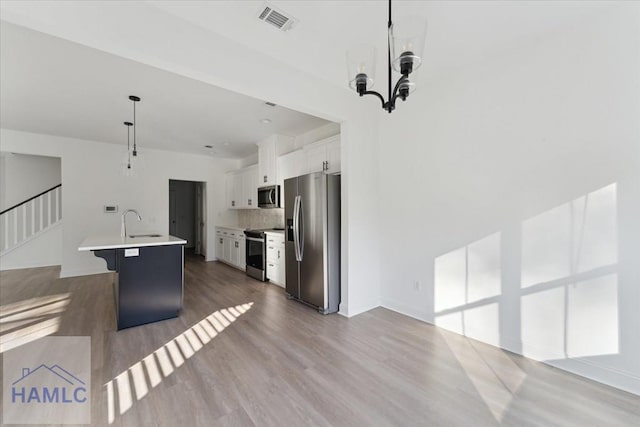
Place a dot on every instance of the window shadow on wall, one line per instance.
(561, 304)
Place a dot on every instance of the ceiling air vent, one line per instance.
(276, 17)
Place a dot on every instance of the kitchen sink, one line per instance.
(145, 235)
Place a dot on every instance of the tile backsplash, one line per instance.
(261, 218)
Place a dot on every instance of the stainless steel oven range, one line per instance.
(256, 247)
(256, 253)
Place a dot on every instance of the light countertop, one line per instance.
(94, 243)
(232, 227)
(277, 232)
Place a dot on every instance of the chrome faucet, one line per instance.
(123, 227)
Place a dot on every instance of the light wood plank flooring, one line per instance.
(241, 354)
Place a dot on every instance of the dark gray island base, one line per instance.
(148, 287)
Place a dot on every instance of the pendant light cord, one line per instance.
(128, 149)
(135, 125)
(389, 25)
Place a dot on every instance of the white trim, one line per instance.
(75, 272)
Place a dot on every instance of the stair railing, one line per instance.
(29, 218)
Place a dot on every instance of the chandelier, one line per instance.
(404, 48)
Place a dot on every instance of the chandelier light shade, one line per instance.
(404, 46)
(406, 37)
(361, 63)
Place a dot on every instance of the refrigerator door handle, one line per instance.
(301, 229)
(296, 229)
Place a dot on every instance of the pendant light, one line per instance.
(128, 125)
(134, 99)
(405, 43)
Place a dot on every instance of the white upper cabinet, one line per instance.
(250, 187)
(266, 164)
(234, 189)
(276, 163)
(315, 156)
(268, 152)
(242, 188)
(323, 156)
(290, 166)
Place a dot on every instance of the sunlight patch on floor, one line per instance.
(169, 357)
(28, 320)
(495, 376)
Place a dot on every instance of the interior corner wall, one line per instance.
(93, 175)
(25, 176)
(511, 198)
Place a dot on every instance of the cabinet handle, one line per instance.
(221, 240)
(271, 265)
(265, 178)
(278, 253)
(249, 202)
(233, 203)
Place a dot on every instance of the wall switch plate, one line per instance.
(110, 208)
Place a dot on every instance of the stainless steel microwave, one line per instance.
(269, 197)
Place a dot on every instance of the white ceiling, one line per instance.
(53, 86)
(458, 32)
(83, 92)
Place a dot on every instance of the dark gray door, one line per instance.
(172, 211)
(291, 280)
(312, 189)
(199, 216)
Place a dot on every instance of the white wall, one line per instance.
(41, 251)
(24, 176)
(515, 207)
(92, 176)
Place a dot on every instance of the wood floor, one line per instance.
(241, 354)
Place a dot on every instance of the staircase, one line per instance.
(27, 220)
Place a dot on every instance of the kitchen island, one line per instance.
(148, 285)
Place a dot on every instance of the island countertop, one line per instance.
(95, 243)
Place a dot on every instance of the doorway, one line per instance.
(187, 213)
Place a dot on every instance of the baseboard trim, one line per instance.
(23, 267)
(616, 378)
(406, 310)
(81, 272)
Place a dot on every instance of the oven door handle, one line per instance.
(253, 239)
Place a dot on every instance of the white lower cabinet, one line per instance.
(276, 266)
(230, 247)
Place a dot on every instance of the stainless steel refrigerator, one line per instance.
(312, 244)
